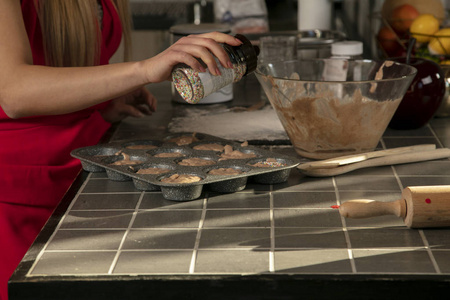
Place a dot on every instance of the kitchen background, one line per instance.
(109, 240)
(153, 18)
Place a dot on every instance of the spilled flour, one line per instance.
(260, 124)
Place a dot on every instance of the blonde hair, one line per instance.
(71, 31)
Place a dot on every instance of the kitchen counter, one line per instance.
(108, 240)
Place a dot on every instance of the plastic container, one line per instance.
(193, 86)
(347, 50)
(338, 68)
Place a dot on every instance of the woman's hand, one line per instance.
(187, 50)
(138, 103)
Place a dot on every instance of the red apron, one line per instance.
(36, 168)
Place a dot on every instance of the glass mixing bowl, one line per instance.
(331, 107)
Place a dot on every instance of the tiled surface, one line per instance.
(289, 228)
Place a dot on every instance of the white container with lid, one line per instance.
(177, 32)
(337, 67)
(347, 50)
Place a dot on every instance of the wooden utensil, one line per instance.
(345, 164)
(350, 159)
(420, 207)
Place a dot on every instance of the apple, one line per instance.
(402, 17)
(423, 97)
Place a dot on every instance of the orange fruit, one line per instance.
(402, 17)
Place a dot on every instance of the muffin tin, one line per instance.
(101, 158)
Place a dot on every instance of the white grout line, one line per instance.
(393, 249)
(197, 238)
(344, 229)
(422, 235)
(272, 233)
(430, 253)
(38, 257)
(383, 145)
(397, 178)
(435, 136)
(130, 225)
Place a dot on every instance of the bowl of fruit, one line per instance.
(399, 20)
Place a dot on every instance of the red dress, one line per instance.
(36, 168)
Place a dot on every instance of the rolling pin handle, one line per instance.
(364, 208)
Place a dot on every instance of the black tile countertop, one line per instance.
(108, 240)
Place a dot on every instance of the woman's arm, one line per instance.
(27, 90)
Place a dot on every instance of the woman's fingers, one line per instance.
(213, 38)
(203, 48)
(190, 50)
(138, 103)
(207, 48)
(222, 38)
(145, 101)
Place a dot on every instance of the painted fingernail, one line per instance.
(218, 72)
(230, 65)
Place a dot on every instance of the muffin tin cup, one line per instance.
(182, 193)
(101, 157)
(229, 185)
(273, 177)
(116, 176)
(142, 145)
(95, 154)
(145, 186)
(87, 166)
(119, 173)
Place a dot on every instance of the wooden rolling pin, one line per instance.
(420, 207)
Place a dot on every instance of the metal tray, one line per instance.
(100, 158)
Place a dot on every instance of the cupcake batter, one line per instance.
(184, 140)
(229, 153)
(269, 163)
(225, 171)
(126, 161)
(210, 147)
(142, 147)
(153, 171)
(181, 178)
(195, 161)
(169, 154)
